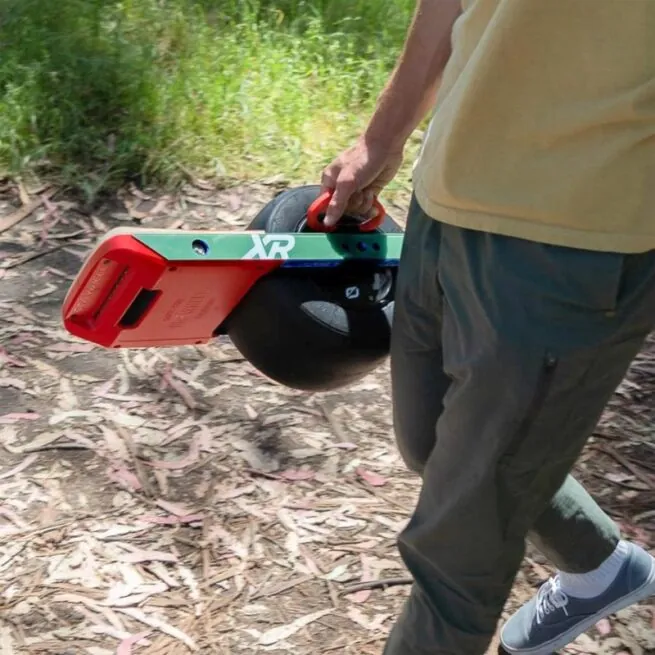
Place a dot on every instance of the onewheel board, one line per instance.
(145, 288)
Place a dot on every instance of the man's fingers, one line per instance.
(355, 203)
(367, 210)
(329, 178)
(358, 204)
(343, 192)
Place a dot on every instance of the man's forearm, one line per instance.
(411, 90)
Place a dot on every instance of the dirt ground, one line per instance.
(174, 500)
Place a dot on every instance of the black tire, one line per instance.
(296, 325)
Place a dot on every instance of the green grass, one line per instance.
(98, 91)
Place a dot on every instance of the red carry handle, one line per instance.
(320, 205)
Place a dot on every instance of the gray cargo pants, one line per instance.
(504, 354)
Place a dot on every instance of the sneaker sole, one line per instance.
(639, 594)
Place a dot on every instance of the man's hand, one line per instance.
(357, 176)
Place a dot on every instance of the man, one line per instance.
(526, 288)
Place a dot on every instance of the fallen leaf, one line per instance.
(6, 641)
(60, 417)
(363, 595)
(238, 548)
(140, 595)
(67, 398)
(46, 439)
(14, 417)
(77, 438)
(126, 420)
(10, 359)
(285, 631)
(6, 559)
(161, 477)
(71, 347)
(125, 647)
(105, 387)
(23, 194)
(45, 291)
(604, 628)
(294, 475)
(28, 461)
(371, 478)
(190, 458)
(358, 617)
(160, 624)
(13, 517)
(115, 444)
(13, 382)
(180, 388)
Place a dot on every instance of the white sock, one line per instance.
(594, 583)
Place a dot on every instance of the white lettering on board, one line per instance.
(271, 246)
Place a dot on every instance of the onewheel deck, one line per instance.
(145, 288)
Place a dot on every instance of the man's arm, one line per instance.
(361, 172)
(411, 90)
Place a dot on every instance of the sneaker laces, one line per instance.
(551, 598)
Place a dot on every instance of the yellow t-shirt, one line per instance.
(545, 124)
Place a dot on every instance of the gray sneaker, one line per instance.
(551, 620)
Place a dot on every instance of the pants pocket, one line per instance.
(564, 279)
(569, 399)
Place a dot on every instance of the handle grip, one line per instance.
(320, 205)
